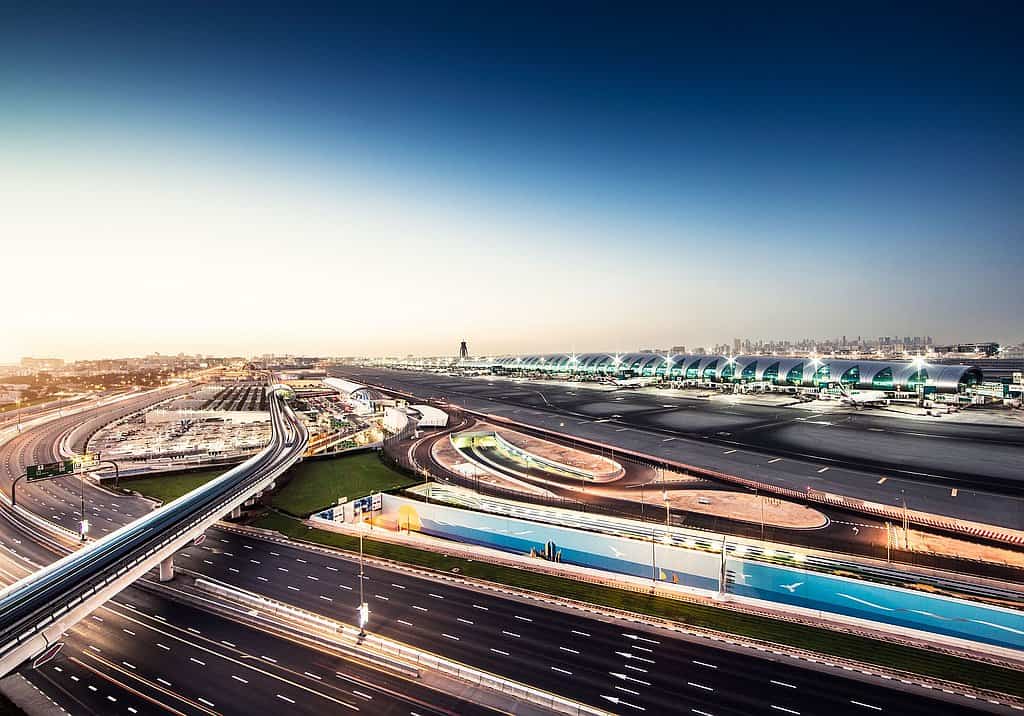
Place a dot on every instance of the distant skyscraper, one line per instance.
(463, 351)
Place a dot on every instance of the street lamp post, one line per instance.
(664, 496)
(84, 522)
(364, 611)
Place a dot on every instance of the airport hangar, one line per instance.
(897, 376)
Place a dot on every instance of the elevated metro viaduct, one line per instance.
(36, 611)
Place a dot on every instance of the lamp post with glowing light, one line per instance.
(364, 608)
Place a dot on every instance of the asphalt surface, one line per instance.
(862, 454)
(566, 652)
(621, 668)
(120, 659)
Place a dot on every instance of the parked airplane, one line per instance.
(631, 382)
(860, 398)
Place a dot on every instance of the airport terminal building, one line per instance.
(895, 376)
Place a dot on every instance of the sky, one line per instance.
(328, 180)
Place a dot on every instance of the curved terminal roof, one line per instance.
(809, 372)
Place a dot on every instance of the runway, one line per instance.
(878, 458)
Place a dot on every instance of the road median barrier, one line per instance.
(396, 655)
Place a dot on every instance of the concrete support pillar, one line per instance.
(236, 513)
(167, 569)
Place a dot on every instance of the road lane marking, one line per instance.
(881, 480)
(824, 469)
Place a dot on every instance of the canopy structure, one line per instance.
(806, 372)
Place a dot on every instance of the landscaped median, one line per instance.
(823, 641)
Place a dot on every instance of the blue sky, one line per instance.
(535, 179)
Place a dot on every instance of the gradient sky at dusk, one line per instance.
(235, 179)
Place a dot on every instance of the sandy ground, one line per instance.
(600, 467)
(941, 544)
(734, 505)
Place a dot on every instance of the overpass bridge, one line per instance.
(36, 611)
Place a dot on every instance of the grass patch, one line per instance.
(847, 646)
(172, 485)
(317, 484)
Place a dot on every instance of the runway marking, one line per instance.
(881, 480)
(824, 469)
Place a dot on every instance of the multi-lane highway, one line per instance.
(108, 666)
(960, 470)
(564, 651)
(621, 667)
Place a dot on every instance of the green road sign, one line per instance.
(49, 469)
